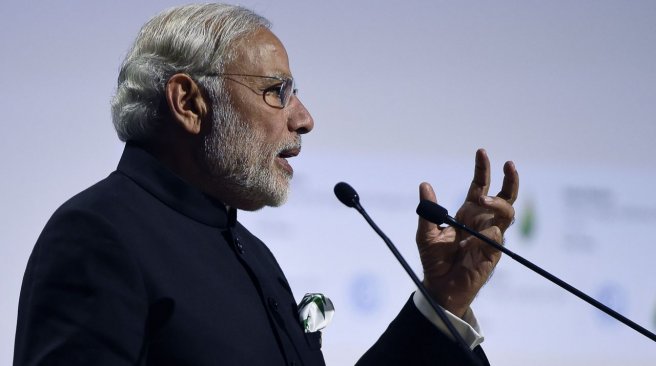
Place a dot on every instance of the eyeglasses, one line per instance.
(276, 96)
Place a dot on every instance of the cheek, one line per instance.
(270, 132)
(267, 124)
(267, 141)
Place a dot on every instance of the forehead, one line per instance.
(260, 53)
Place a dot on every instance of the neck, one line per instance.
(183, 156)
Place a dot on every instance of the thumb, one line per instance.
(426, 192)
(492, 232)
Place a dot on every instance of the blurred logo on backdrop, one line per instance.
(615, 297)
(527, 220)
(585, 208)
(365, 293)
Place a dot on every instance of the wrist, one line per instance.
(455, 308)
(448, 302)
(467, 325)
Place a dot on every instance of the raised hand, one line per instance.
(456, 265)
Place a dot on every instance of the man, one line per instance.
(150, 265)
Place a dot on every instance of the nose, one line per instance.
(300, 119)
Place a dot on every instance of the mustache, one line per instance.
(294, 144)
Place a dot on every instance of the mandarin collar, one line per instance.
(151, 175)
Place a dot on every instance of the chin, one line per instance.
(278, 199)
(255, 205)
(272, 197)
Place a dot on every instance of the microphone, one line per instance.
(433, 212)
(349, 197)
(437, 214)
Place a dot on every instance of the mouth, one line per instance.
(289, 153)
(286, 154)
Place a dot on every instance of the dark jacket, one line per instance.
(144, 269)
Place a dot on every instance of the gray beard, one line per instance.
(236, 157)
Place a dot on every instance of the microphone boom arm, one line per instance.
(349, 197)
(435, 213)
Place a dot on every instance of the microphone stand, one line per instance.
(347, 195)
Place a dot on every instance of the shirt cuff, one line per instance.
(467, 326)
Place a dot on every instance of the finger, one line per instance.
(481, 182)
(502, 209)
(426, 192)
(492, 232)
(510, 187)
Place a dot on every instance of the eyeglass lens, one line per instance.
(279, 95)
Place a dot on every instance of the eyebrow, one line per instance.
(271, 81)
(275, 78)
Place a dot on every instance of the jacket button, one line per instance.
(273, 304)
(239, 245)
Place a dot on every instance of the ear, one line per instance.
(186, 102)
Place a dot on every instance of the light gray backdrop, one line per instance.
(401, 91)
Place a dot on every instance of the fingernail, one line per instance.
(487, 199)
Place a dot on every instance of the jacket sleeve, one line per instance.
(412, 340)
(82, 301)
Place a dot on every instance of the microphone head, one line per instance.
(346, 194)
(432, 212)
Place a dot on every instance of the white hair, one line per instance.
(194, 39)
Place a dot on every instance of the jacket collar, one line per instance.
(149, 173)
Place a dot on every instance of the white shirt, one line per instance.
(467, 326)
